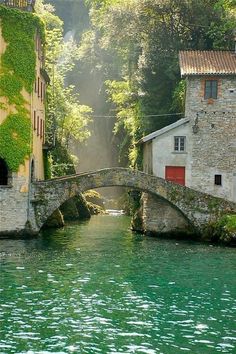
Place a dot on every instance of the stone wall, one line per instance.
(14, 206)
(47, 196)
(198, 208)
(164, 155)
(213, 145)
(160, 217)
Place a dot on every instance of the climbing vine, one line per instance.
(17, 72)
(15, 136)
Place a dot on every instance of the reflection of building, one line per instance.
(22, 109)
(199, 151)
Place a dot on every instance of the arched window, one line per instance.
(3, 173)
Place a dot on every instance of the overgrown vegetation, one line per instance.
(132, 47)
(17, 73)
(222, 230)
(67, 119)
(128, 62)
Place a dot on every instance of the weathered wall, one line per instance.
(160, 217)
(213, 146)
(164, 155)
(198, 208)
(14, 206)
(38, 113)
(148, 157)
(47, 196)
(35, 104)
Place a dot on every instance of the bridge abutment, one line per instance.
(161, 218)
(14, 206)
(170, 206)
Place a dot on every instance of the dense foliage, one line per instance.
(67, 119)
(17, 73)
(132, 48)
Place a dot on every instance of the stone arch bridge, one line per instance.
(198, 208)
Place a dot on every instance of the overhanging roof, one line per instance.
(164, 130)
(207, 62)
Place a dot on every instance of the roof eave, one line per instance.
(162, 131)
(183, 75)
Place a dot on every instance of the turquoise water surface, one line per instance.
(96, 287)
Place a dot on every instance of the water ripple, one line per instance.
(98, 288)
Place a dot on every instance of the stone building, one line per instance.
(22, 109)
(199, 151)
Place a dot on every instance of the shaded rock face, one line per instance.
(137, 221)
(160, 218)
(56, 220)
(75, 208)
(95, 202)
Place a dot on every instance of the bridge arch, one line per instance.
(193, 205)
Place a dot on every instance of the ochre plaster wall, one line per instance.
(36, 106)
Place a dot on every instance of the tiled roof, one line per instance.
(207, 62)
(163, 130)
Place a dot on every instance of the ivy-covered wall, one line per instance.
(17, 72)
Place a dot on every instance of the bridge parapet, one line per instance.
(199, 208)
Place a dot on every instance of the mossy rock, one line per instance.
(95, 209)
(137, 221)
(93, 197)
(75, 209)
(222, 230)
(55, 221)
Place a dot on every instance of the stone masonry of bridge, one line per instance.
(198, 209)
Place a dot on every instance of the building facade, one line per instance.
(199, 151)
(22, 111)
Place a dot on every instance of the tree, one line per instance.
(67, 119)
(143, 38)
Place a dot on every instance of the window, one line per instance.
(38, 87)
(3, 173)
(41, 128)
(37, 125)
(41, 92)
(32, 171)
(179, 143)
(218, 180)
(34, 120)
(211, 88)
(43, 131)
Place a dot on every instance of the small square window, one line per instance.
(211, 89)
(179, 143)
(218, 180)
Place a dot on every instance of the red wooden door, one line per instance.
(175, 174)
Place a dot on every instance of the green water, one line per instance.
(98, 288)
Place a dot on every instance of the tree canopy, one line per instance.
(67, 119)
(130, 48)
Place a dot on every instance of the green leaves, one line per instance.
(18, 64)
(18, 30)
(135, 45)
(68, 120)
(15, 137)
(11, 87)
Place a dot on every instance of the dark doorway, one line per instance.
(32, 171)
(3, 173)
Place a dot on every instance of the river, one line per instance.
(96, 287)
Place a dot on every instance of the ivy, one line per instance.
(15, 137)
(11, 87)
(18, 30)
(17, 72)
